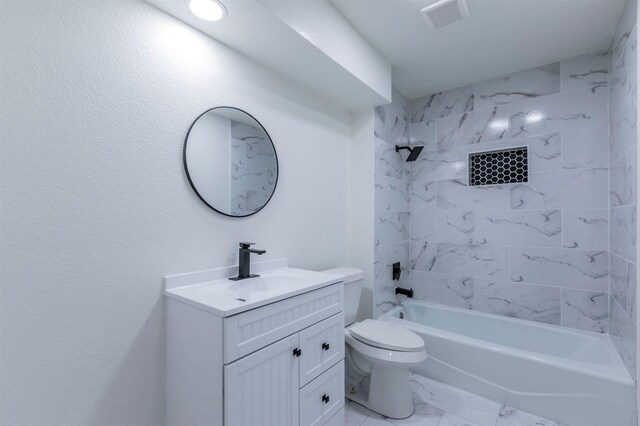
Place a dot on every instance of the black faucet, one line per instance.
(244, 258)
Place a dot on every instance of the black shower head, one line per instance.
(413, 152)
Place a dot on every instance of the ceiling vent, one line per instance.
(443, 13)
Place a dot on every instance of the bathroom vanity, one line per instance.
(261, 351)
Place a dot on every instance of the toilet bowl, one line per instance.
(378, 356)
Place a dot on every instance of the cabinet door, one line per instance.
(322, 346)
(321, 399)
(262, 388)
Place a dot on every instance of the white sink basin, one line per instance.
(268, 283)
(225, 298)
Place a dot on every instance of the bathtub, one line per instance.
(570, 376)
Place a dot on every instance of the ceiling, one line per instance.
(256, 32)
(499, 37)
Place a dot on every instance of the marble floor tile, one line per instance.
(424, 415)
(469, 406)
(376, 421)
(438, 404)
(509, 416)
(449, 419)
(354, 414)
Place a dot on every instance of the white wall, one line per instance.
(96, 100)
(326, 28)
(362, 203)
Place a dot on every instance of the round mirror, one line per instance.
(230, 161)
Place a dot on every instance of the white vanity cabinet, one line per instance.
(269, 387)
(278, 364)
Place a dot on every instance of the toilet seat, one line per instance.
(385, 356)
(385, 335)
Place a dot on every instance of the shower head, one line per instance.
(413, 152)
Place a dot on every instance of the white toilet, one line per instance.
(378, 356)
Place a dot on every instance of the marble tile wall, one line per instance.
(253, 170)
(392, 192)
(538, 250)
(623, 177)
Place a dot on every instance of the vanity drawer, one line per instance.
(249, 331)
(321, 399)
(322, 346)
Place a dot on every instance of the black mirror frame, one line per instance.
(186, 168)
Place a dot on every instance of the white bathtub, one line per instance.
(566, 375)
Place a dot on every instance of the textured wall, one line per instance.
(537, 250)
(623, 141)
(96, 100)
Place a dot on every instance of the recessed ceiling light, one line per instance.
(209, 10)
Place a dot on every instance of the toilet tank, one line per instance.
(352, 279)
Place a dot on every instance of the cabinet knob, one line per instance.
(325, 398)
(325, 346)
(297, 352)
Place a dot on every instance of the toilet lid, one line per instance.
(385, 335)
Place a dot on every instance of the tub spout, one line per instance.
(406, 291)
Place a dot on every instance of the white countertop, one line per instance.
(225, 297)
